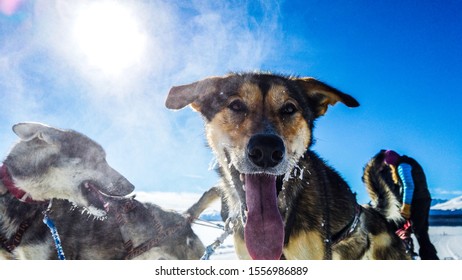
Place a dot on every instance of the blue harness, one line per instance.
(54, 233)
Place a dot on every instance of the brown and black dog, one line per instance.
(288, 201)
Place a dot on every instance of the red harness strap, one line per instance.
(9, 184)
(405, 231)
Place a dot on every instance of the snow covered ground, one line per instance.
(447, 239)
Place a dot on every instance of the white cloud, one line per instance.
(447, 192)
(185, 41)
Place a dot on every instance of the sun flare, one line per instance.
(109, 36)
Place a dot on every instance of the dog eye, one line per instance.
(288, 109)
(237, 106)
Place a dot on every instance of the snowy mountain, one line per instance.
(211, 215)
(454, 204)
(437, 201)
(447, 213)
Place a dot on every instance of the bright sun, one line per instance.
(109, 36)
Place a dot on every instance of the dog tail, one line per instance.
(379, 184)
(203, 203)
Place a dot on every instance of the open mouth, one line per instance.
(264, 227)
(98, 204)
(260, 169)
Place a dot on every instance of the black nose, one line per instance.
(265, 150)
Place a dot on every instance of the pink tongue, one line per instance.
(264, 230)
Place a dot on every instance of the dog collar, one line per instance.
(11, 187)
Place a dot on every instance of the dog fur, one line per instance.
(152, 232)
(70, 169)
(49, 163)
(286, 201)
(384, 193)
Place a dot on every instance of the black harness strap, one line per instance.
(349, 228)
(127, 207)
(326, 225)
(13, 242)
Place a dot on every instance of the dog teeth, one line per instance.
(242, 178)
(98, 213)
(244, 216)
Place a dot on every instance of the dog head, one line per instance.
(262, 123)
(51, 163)
(258, 125)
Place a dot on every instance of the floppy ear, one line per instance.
(192, 94)
(324, 95)
(28, 131)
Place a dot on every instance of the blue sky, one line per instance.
(62, 63)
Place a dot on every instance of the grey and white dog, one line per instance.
(90, 209)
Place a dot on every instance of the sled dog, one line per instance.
(285, 200)
(93, 217)
(384, 193)
(130, 230)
